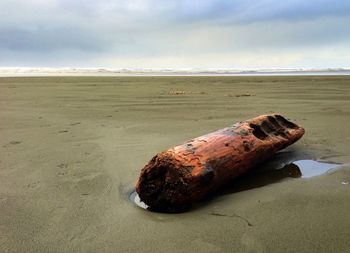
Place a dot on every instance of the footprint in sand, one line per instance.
(76, 123)
(62, 166)
(33, 185)
(15, 142)
(12, 143)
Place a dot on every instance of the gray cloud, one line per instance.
(62, 32)
(43, 40)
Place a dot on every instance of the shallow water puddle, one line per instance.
(311, 168)
(268, 173)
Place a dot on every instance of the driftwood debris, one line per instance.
(184, 174)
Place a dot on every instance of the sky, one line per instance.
(236, 34)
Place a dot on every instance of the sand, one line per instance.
(72, 148)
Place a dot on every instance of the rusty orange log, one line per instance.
(184, 174)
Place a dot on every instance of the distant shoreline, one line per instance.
(35, 72)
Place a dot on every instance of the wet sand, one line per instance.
(72, 149)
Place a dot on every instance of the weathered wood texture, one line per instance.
(184, 174)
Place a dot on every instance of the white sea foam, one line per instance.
(36, 71)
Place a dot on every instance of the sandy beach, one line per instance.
(72, 149)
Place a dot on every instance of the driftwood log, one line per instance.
(184, 174)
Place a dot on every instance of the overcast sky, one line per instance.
(239, 34)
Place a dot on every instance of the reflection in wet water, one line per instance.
(271, 172)
(310, 168)
(134, 197)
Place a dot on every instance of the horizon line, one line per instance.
(101, 71)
